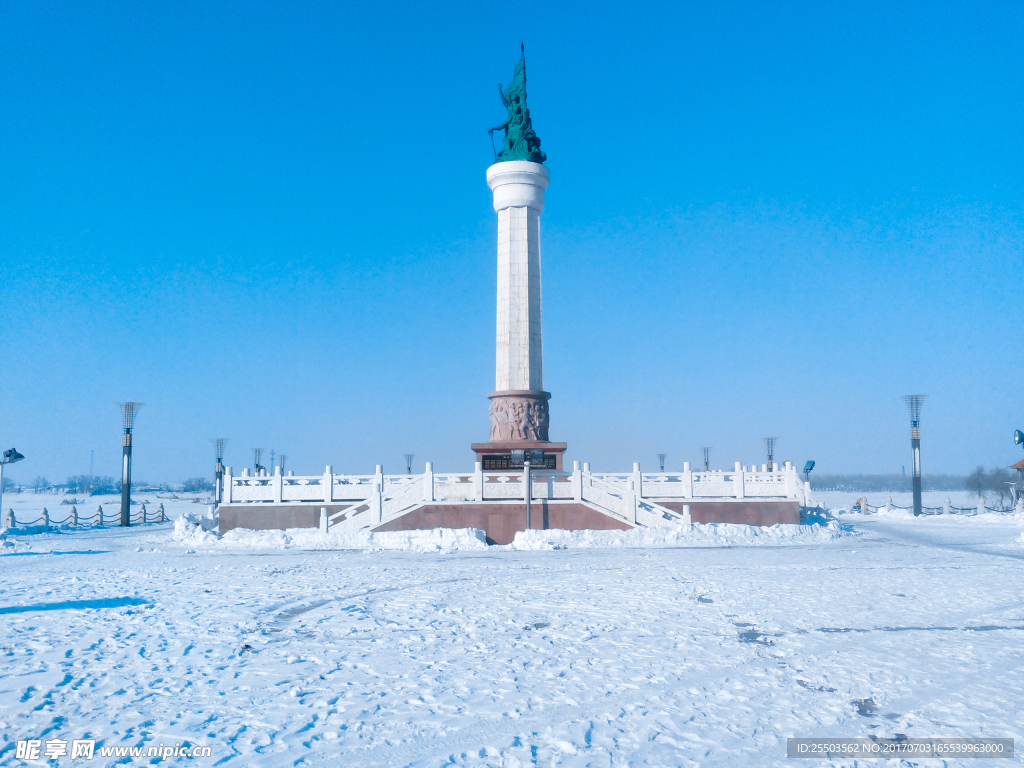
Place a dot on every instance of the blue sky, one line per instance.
(269, 222)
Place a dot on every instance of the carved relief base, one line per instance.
(519, 421)
(519, 414)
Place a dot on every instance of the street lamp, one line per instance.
(11, 456)
(807, 471)
(408, 462)
(128, 412)
(218, 444)
(661, 461)
(257, 453)
(914, 406)
(769, 444)
(707, 459)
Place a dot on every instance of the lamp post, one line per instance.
(257, 453)
(528, 492)
(408, 462)
(769, 444)
(807, 471)
(914, 406)
(128, 412)
(281, 461)
(11, 456)
(218, 445)
(661, 461)
(707, 459)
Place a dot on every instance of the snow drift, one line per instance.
(696, 535)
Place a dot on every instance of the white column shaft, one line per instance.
(520, 347)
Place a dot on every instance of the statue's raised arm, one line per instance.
(521, 143)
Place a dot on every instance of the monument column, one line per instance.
(519, 404)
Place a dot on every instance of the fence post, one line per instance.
(73, 517)
(888, 505)
(99, 514)
(428, 482)
(947, 506)
(981, 505)
(1020, 506)
(143, 510)
(478, 481)
(577, 483)
(323, 520)
(8, 519)
(45, 517)
(328, 482)
(160, 513)
(738, 480)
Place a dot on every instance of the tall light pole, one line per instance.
(128, 413)
(769, 444)
(707, 459)
(257, 453)
(281, 460)
(11, 456)
(661, 461)
(914, 406)
(408, 462)
(218, 445)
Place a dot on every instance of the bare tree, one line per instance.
(977, 482)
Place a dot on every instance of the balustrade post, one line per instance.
(737, 479)
(638, 481)
(225, 493)
(278, 485)
(378, 492)
(687, 481)
(790, 481)
(323, 520)
(428, 482)
(577, 483)
(478, 481)
(328, 482)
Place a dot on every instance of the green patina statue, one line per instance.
(521, 143)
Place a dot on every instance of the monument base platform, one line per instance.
(740, 512)
(498, 454)
(502, 520)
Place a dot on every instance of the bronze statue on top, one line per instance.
(521, 143)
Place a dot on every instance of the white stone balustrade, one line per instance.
(385, 491)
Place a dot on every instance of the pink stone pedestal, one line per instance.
(519, 422)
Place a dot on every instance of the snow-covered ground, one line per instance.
(710, 649)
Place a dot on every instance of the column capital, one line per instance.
(518, 184)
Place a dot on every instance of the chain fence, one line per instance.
(947, 509)
(76, 520)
